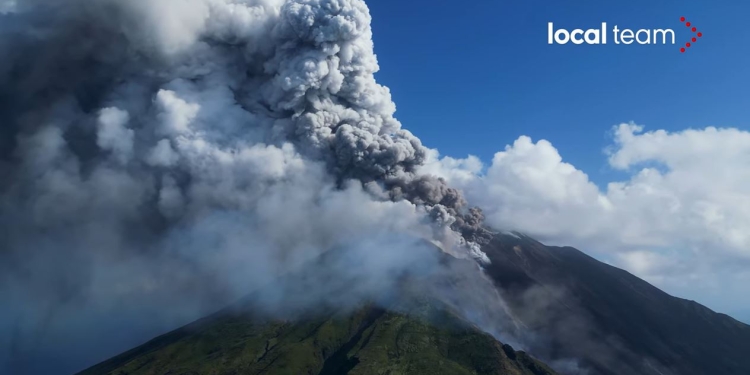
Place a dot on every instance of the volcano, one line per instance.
(161, 159)
(408, 332)
(576, 314)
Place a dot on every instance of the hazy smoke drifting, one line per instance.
(167, 156)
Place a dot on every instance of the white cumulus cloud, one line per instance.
(679, 217)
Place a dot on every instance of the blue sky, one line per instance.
(483, 70)
(471, 77)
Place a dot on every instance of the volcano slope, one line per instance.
(412, 330)
(573, 306)
(415, 327)
(368, 340)
(574, 313)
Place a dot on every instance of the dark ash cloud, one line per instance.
(159, 159)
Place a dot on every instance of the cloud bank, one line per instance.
(679, 217)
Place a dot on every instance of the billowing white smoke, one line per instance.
(181, 152)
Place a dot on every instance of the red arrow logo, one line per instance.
(694, 29)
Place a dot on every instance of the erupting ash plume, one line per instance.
(169, 153)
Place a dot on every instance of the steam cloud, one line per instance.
(169, 153)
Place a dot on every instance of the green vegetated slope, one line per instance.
(368, 340)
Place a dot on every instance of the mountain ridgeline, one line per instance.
(611, 321)
(573, 314)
